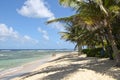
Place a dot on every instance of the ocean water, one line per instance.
(14, 58)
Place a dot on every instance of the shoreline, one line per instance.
(21, 68)
(27, 67)
(74, 67)
(70, 66)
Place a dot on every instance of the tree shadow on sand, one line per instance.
(62, 71)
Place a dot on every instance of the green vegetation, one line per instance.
(96, 52)
(96, 23)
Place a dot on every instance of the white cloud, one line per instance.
(46, 37)
(38, 9)
(58, 42)
(35, 9)
(58, 26)
(45, 34)
(27, 38)
(8, 33)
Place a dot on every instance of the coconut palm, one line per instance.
(79, 35)
(72, 35)
(95, 14)
(98, 12)
(116, 30)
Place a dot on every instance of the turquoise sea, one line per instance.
(14, 58)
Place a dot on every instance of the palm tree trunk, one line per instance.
(109, 49)
(79, 49)
(114, 46)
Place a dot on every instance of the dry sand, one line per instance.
(72, 67)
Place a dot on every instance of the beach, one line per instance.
(70, 66)
(60, 40)
(13, 72)
(8, 74)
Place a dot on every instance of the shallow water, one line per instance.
(14, 58)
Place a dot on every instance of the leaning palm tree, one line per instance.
(79, 35)
(72, 34)
(98, 13)
(116, 30)
(95, 14)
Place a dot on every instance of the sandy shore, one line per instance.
(25, 68)
(17, 71)
(72, 67)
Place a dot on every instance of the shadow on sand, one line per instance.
(94, 64)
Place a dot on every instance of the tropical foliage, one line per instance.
(96, 22)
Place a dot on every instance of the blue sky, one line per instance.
(22, 24)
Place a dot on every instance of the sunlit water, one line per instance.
(14, 58)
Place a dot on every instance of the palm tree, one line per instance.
(111, 10)
(116, 30)
(93, 15)
(98, 13)
(72, 35)
(79, 35)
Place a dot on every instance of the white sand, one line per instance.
(20, 70)
(72, 67)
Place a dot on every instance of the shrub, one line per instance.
(96, 52)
